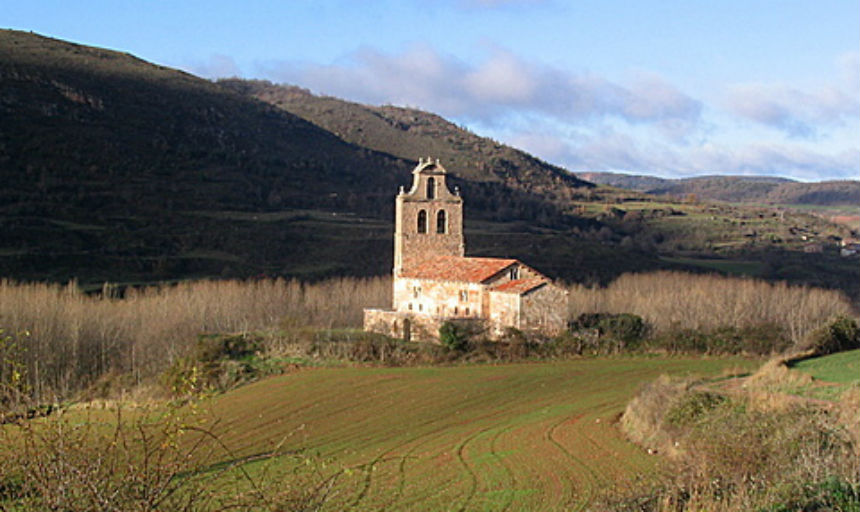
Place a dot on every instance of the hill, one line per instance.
(115, 169)
(739, 189)
(406, 132)
(118, 169)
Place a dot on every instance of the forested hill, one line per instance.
(117, 169)
(405, 133)
(739, 189)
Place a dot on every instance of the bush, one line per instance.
(219, 362)
(625, 329)
(840, 334)
(763, 339)
(453, 335)
(692, 407)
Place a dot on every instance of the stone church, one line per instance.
(435, 282)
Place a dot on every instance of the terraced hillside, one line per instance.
(535, 436)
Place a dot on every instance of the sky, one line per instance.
(669, 88)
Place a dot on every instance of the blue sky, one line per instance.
(669, 88)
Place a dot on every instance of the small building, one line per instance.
(435, 282)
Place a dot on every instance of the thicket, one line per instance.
(59, 340)
(677, 302)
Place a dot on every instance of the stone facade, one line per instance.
(434, 282)
(428, 219)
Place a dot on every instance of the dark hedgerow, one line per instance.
(624, 330)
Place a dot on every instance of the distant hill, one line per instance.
(739, 189)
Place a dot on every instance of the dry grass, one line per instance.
(750, 449)
(677, 300)
(70, 339)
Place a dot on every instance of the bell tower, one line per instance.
(428, 218)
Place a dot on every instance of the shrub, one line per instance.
(624, 329)
(219, 362)
(453, 335)
(842, 333)
(623, 326)
(762, 339)
(215, 347)
(692, 406)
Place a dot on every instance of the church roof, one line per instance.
(454, 268)
(520, 286)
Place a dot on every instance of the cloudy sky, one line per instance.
(668, 88)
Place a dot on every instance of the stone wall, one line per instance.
(544, 310)
(441, 298)
(504, 311)
(405, 326)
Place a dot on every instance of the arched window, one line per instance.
(441, 222)
(422, 221)
(431, 188)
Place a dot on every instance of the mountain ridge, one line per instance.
(738, 189)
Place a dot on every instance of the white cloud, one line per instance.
(502, 80)
(501, 86)
(588, 122)
(612, 151)
(802, 113)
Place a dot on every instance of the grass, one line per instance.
(842, 367)
(534, 436)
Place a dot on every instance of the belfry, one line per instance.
(435, 282)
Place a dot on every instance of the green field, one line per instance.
(842, 367)
(533, 436)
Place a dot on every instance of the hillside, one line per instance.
(739, 189)
(406, 132)
(628, 229)
(115, 169)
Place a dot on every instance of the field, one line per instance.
(533, 436)
(842, 367)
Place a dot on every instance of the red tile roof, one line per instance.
(452, 268)
(520, 286)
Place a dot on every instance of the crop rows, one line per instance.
(537, 436)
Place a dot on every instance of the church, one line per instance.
(435, 282)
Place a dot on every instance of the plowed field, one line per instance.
(536, 436)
